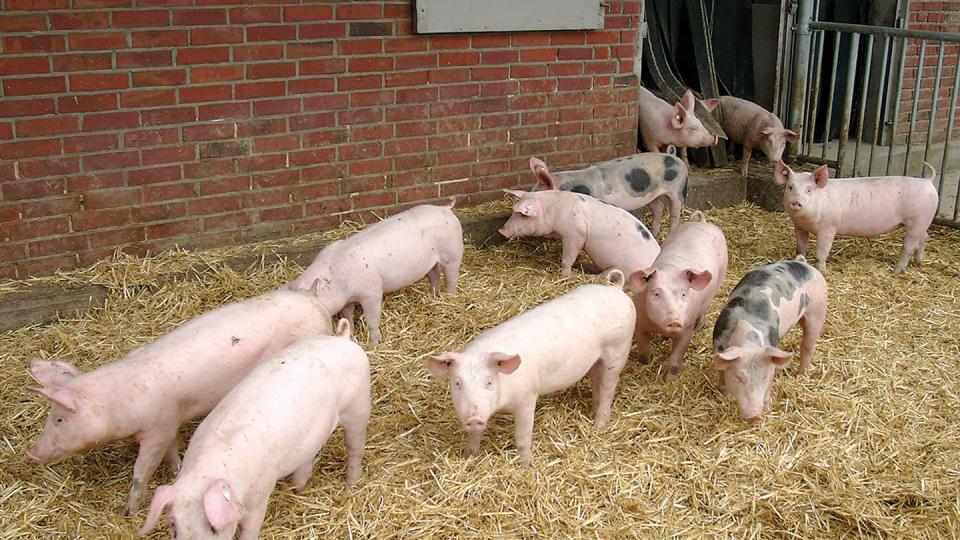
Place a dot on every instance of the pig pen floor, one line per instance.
(868, 444)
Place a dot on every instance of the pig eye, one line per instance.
(456, 383)
(489, 384)
(59, 420)
(656, 293)
(809, 189)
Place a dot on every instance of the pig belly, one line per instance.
(398, 270)
(873, 206)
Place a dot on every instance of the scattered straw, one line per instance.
(866, 445)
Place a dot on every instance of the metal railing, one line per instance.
(872, 69)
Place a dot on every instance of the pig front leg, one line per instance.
(643, 345)
(523, 431)
(656, 208)
(570, 251)
(173, 455)
(803, 238)
(302, 474)
(606, 377)
(347, 311)
(824, 243)
(680, 344)
(745, 165)
(372, 305)
(812, 324)
(252, 520)
(152, 449)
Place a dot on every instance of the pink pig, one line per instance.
(154, 389)
(673, 294)
(611, 236)
(864, 207)
(763, 306)
(662, 124)
(271, 425)
(753, 126)
(385, 257)
(543, 350)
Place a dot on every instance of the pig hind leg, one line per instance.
(354, 422)
(451, 272)
(812, 324)
(347, 311)
(434, 276)
(676, 205)
(745, 166)
(173, 455)
(611, 363)
(372, 305)
(656, 208)
(152, 450)
(913, 245)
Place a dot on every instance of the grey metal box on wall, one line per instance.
(436, 16)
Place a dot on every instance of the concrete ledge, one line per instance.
(43, 303)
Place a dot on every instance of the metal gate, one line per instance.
(855, 95)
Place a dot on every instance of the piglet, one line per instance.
(271, 425)
(751, 125)
(662, 124)
(674, 293)
(150, 392)
(385, 257)
(546, 349)
(630, 182)
(863, 207)
(611, 236)
(763, 306)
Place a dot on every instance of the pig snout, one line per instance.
(505, 232)
(795, 205)
(674, 325)
(35, 454)
(753, 418)
(474, 424)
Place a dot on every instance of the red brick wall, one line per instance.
(936, 17)
(143, 124)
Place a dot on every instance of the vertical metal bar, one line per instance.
(801, 65)
(864, 92)
(833, 83)
(845, 111)
(946, 142)
(876, 113)
(814, 94)
(896, 103)
(916, 104)
(932, 124)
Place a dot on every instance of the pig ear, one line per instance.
(710, 104)
(679, 115)
(63, 397)
(529, 207)
(699, 280)
(52, 372)
(688, 102)
(777, 356)
(503, 362)
(542, 173)
(725, 357)
(343, 328)
(821, 175)
(440, 364)
(791, 135)
(768, 130)
(781, 172)
(162, 499)
(221, 506)
(638, 280)
(515, 192)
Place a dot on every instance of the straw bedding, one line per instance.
(866, 445)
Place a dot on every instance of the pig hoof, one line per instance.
(353, 477)
(526, 460)
(601, 422)
(672, 373)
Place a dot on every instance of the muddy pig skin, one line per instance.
(546, 349)
(751, 125)
(611, 236)
(630, 182)
(763, 306)
(662, 124)
(385, 257)
(863, 207)
(150, 392)
(673, 295)
(271, 425)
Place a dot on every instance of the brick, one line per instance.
(312, 121)
(24, 5)
(359, 46)
(368, 63)
(169, 116)
(34, 85)
(33, 43)
(260, 89)
(100, 219)
(227, 222)
(169, 154)
(275, 179)
(276, 106)
(116, 238)
(113, 160)
(159, 39)
(156, 212)
(324, 30)
(209, 132)
(101, 180)
(406, 44)
(111, 198)
(49, 207)
(47, 126)
(309, 49)
(22, 23)
(282, 213)
(151, 137)
(360, 11)
(174, 228)
(196, 94)
(360, 82)
(307, 13)
(213, 205)
(148, 98)
(324, 66)
(357, 151)
(459, 58)
(263, 162)
(24, 65)
(224, 149)
(144, 59)
(261, 126)
(272, 70)
(154, 175)
(271, 33)
(224, 185)
(160, 77)
(82, 62)
(417, 95)
(325, 102)
(202, 55)
(57, 246)
(110, 121)
(88, 82)
(96, 40)
(216, 35)
(32, 189)
(374, 200)
(93, 103)
(365, 28)
(260, 51)
(199, 17)
(416, 61)
(448, 76)
(40, 168)
(87, 4)
(33, 148)
(221, 111)
(575, 53)
(140, 18)
(247, 15)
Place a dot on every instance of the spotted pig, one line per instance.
(630, 182)
(763, 306)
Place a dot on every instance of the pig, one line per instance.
(751, 125)
(763, 306)
(269, 426)
(385, 257)
(662, 124)
(546, 349)
(673, 294)
(862, 207)
(150, 392)
(611, 236)
(630, 182)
